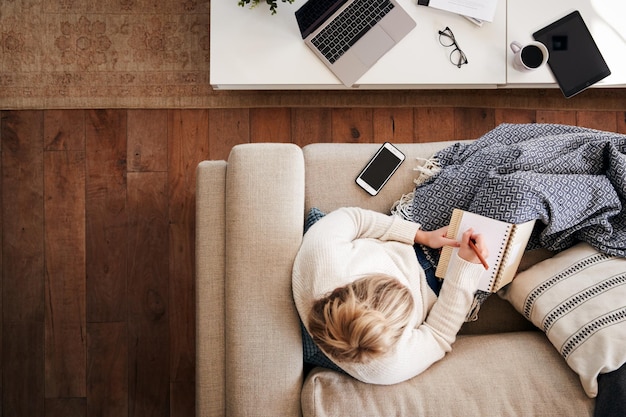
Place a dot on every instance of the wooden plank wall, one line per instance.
(97, 249)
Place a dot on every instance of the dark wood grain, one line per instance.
(393, 125)
(621, 121)
(22, 264)
(188, 144)
(311, 125)
(471, 123)
(108, 366)
(107, 219)
(148, 273)
(1, 268)
(65, 329)
(23, 369)
(601, 120)
(66, 407)
(433, 124)
(65, 288)
(352, 125)
(147, 140)
(98, 233)
(227, 128)
(565, 117)
(270, 125)
(64, 130)
(148, 295)
(22, 209)
(514, 116)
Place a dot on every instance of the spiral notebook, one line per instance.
(506, 243)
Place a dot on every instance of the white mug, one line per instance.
(530, 56)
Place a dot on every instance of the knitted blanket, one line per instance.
(571, 179)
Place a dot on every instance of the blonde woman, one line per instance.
(364, 298)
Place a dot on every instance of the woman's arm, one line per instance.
(435, 238)
(350, 223)
(459, 287)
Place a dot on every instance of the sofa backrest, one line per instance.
(331, 168)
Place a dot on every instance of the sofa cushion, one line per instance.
(577, 299)
(520, 375)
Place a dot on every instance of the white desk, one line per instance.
(252, 49)
(604, 18)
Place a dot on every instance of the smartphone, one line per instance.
(380, 168)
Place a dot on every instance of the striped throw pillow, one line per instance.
(578, 299)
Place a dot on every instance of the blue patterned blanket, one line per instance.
(572, 179)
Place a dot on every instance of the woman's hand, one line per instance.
(465, 250)
(435, 239)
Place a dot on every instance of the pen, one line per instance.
(475, 249)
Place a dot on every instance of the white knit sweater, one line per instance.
(350, 243)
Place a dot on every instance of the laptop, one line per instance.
(349, 36)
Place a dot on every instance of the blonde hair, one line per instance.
(361, 320)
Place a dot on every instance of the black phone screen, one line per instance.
(381, 168)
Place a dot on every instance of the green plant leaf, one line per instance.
(272, 3)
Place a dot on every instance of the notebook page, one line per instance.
(495, 235)
(517, 245)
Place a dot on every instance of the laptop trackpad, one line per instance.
(372, 45)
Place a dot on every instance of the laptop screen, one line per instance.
(314, 13)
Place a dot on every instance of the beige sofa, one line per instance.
(250, 213)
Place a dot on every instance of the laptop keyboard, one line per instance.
(347, 28)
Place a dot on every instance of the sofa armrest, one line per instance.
(210, 241)
(264, 223)
(250, 215)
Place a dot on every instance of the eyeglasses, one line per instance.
(457, 56)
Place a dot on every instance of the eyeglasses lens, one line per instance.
(457, 57)
(446, 38)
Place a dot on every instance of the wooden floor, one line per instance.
(97, 254)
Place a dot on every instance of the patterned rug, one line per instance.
(155, 54)
(105, 53)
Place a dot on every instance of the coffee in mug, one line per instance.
(530, 56)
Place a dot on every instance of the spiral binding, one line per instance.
(503, 257)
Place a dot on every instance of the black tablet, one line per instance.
(575, 59)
